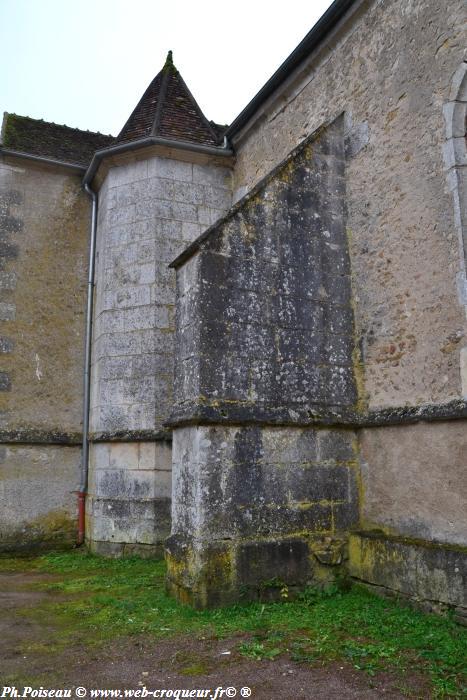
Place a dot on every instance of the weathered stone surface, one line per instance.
(44, 226)
(404, 243)
(264, 319)
(147, 212)
(257, 489)
(36, 492)
(420, 570)
(143, 208)
(130, 487)
(426, 502)
(220, 572)
(264, 305)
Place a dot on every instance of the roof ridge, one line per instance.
(167, 69)
(63, 126)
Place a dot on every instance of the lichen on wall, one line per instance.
(265, 323)
(265, 337)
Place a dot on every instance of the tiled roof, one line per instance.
(168, 110)
(56, 141)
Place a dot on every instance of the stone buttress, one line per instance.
(263, 495)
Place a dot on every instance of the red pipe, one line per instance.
(81, 516)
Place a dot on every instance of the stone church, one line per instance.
(245, 346)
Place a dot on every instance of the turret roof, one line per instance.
(168, 110)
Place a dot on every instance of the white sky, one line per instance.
(86, 63)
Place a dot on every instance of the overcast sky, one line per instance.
(86, 63)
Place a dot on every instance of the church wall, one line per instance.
(389, 70)
(37, 496)
(44, 227)
(415, 480)
(149, 211)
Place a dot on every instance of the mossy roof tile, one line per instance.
(55, 141)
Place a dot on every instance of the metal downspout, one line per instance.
(83, 485)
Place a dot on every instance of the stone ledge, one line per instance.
(33, 436)
(228, 413)
(132, 436)
(429, 573)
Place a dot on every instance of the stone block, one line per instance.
(125, 483)
(38, 504)
(286, 445)
(126, 297)
(189, 194)
(155, 188)
(123, 455)
(99, 455)
(7, 311)
(163, 484)
(137, 390)
(171, 169)
(336, 445)
(190, 231)
(147, 455)
(216, 197)
(207, 575)
(285, 563)
(7, 281)
(5, 381)
(123, 215)
(215, 176)
(130, 172)
(6, 344)
(138, 319)
(206, 216)
(163, 456)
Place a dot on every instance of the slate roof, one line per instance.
(49, 140)
(168, 110)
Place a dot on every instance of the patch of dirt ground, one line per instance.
(29, 655)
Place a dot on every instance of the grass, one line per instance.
(111, 598)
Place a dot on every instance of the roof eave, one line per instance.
(76, 167)
(151, 141)
(314, 37)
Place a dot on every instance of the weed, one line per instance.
(113, 598)
(258, 650)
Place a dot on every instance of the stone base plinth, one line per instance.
(128, 504)
(210, 574)
(258, 511)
